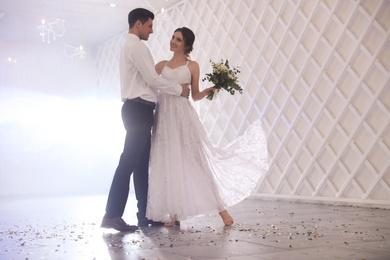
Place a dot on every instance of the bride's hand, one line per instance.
(208, 91)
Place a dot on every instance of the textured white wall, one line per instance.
(315, 72)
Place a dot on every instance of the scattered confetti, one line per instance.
(263, 227)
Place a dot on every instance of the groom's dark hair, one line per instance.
(139, 14)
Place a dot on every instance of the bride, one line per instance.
(189, 176)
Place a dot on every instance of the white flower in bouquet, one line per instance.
(223, 78)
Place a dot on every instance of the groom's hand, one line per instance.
(185, 90)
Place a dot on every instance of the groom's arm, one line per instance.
(143, 61)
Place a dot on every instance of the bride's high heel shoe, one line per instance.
(227, 219)
(171, 224)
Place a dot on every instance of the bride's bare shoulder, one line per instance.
(162, 63)
(193, 65)
(159, 66)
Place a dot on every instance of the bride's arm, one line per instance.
(195, 93)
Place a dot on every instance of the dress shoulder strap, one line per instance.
(187, 62)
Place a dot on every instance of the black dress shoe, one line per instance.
(147, 222)
(118, 224)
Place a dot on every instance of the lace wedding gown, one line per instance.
(189, 176)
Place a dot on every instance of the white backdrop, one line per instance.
(315, 72)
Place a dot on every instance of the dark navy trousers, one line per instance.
(138, 121)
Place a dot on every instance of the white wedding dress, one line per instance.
(189, 176)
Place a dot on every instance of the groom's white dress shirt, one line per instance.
(138, 77)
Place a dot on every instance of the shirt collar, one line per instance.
(132, 36)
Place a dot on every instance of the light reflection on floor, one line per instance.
(68, 228)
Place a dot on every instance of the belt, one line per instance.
(142, 101)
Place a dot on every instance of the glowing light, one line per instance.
(11, 60)
(71, 51)
(112, 5)
(81, 137)
(51, 30)
(76, 122)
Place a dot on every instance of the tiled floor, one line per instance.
(68, 228)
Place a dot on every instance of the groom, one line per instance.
(139, 85)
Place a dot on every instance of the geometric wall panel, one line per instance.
(317, 73)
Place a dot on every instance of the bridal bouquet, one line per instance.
(223, 78)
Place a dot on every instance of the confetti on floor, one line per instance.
(69, 228)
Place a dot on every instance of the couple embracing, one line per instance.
(178, 173)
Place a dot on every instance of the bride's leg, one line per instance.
(227, 219)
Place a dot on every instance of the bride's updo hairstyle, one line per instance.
(188, 37)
